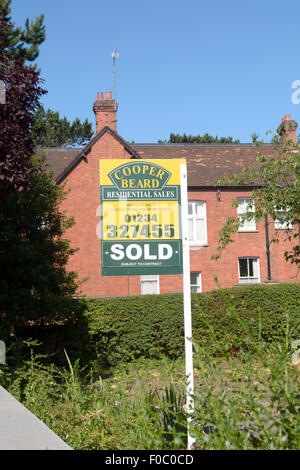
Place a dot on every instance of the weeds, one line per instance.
(247, 402)
(251, 403)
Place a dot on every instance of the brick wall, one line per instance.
(83, 202)
(247, 244)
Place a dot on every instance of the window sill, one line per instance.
(241, 284)
(248, 231)
(282, 229)
(198, 245)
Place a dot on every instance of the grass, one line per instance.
(251, 402)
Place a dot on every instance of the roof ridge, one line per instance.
(83, 152)
(187, 144)
(58, 148)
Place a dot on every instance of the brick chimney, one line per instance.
(105, 111)
(287, 129)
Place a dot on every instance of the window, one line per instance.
(196, 285)
(249, 270)
(248, 225)
(149, 284)
(281, 221)
(197, 222)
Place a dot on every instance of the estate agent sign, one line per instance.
(140, 217)
(144, 230)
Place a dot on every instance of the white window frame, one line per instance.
(198, 284)
(150, 278)
(282, 226)
(249, 279)
(194, 217)
(248, 225)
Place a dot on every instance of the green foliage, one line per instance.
(122, 412)
(277, 195)
(249, 405)
(22, 93)
(254, 137)
(122, 329)
(240, 404)
(198, 139)
(23, 43)
(34, 283)
(233, 319)
(246, 402)
(125, 328)
(50, 130)
(253, 404)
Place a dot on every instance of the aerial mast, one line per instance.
(114, 55)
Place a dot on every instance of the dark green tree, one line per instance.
(34, 283)
(198, 139)
(50, 130)
(254, 137)
(23, 43)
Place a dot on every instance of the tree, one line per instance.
(277, 194)
(22, 43)
(22, 94)
(34, 284)
(198, 139)
(49, 130)
(254, 137)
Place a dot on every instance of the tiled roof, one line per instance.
(58, 159)
(205, 162)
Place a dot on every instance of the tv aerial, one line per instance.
(114, 55)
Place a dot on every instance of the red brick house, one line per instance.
(243, 262)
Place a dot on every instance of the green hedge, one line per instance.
(123, 328)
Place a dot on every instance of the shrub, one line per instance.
(124, 328)
(262, 312)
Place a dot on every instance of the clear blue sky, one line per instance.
(193, 66)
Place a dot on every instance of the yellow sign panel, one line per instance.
(140, 220)
(149, 169)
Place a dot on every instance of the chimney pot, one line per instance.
(287, 130)
(105, 111)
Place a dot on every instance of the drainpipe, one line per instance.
(268, 248)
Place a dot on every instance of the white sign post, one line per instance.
(187, 302)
